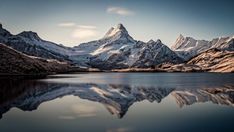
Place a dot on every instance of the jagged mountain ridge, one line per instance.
(188, 47)
(30, 43)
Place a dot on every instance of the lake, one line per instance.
(118, 102)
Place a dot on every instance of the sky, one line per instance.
(70, 22)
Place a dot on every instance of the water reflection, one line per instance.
(27, 95)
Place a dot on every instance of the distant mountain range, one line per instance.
(118, 50)
(188, 47)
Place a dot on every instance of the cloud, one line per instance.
(67, 24)
(119, 11)
(82, 33)
(84, 110)
(86, 26)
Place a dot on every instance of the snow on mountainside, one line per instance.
(117, 49)
(114, 39)
(187, 47)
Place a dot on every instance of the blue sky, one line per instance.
(71, 22)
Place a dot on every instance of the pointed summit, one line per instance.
(179, 41)
(181, 36)
(119, 31)
(120, 26)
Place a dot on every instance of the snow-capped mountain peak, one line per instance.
(118, 32)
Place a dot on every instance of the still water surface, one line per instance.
(118, 102)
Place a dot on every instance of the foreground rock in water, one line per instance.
(14, 62)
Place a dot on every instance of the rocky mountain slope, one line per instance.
(14, 62)
(215, 60)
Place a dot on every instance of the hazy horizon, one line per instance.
(73, 22)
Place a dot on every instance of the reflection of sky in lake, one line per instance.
(85, 110)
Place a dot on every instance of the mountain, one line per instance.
(117, 50)
(14, 62)
(31, 44)
(188, 47)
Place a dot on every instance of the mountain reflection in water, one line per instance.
(27, 95)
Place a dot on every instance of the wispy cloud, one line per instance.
(119, 11)
(80, 31)
(86, 26)
(67, 24)
(84, 33)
